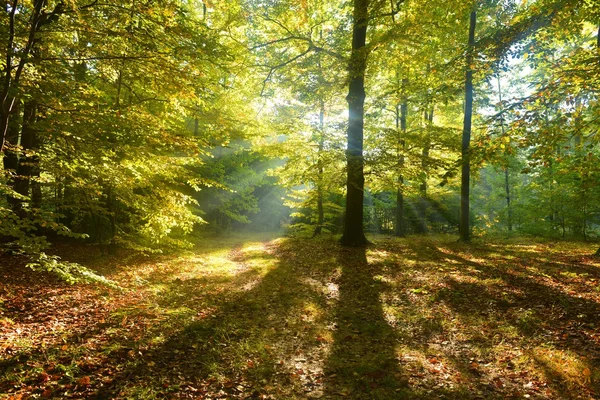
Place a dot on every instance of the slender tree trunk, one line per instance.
(401, 114)
(10, 84)
(27, 160)
(6, 100)
(508, 199)
(423, 205)
(428, 120)
(353, 219)
(465, 229)
(506, 169)
(425, 153)
(36, 187)
(320, 171)
(11, 153)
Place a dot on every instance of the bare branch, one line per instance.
(285, 39)
(278, 23)
(392, 14)
(97, 58)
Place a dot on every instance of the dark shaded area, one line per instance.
(363, 358)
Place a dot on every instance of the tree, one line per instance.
(465, 230)
(353, 219)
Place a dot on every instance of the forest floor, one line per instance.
(262, 317)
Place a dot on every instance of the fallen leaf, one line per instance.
(587, 372)
(84, 381)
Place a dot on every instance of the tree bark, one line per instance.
(353, 219)
(401, 114)
(421, 226)
(10, 85)
(7, 101)
(29, 158)
(464, 228)
(320, 171)
(11, 154)
(425, 152)
(506, 171)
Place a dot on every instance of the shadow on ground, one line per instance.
(414, 318)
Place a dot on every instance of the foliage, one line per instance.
(133, 125)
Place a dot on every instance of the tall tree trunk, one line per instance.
(506, 170)
(423, 205)
(11, 153)
(7, 101)
(353, 219)
(425, 153)
(36, 187)
(320, 171)
(29, 158)
(464, 228)
(8, 89)
(401, 114)
(428, 120)
(598, 48)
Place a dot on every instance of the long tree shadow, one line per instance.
(262, 340)
(304, 319)
(363, 361)
(522, 294)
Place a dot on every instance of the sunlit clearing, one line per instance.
(563, 366)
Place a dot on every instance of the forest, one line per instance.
(300, 199)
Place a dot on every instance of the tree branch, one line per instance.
(280, 40)
(392, 14)
(274, 68)
(97, 58)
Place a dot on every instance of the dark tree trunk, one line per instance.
(7, 101)
(506, 171)
(112, 219)
(464, 228)
(401, 114)
(11, 153)
(422, 207)
(508, 199)
(353, 219)
(320, 171)
(10, 84)
(29, 159)
(36, 187)
(425, 152)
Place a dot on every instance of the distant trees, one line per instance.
(113, 116)
(94, 114)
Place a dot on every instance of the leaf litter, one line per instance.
(271, 318)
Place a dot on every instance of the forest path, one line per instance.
(260, 316)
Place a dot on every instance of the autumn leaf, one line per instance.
(84, 381)
(587, 373)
